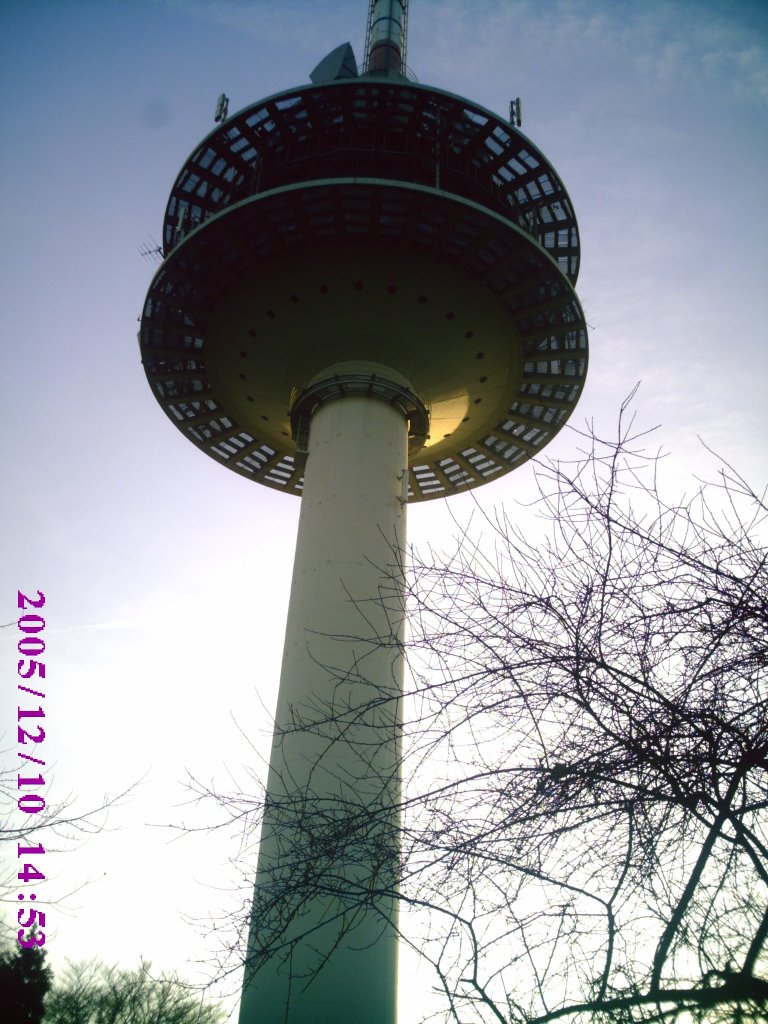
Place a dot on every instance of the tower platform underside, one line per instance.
(254, 302)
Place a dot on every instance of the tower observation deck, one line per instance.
(366, 299)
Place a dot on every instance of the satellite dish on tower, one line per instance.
(339, 63)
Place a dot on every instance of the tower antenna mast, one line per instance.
(386, 37)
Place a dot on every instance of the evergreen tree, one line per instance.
(24, 981)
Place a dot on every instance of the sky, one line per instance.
(166, 577)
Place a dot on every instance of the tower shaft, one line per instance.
(329, 841)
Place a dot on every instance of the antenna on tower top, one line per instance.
(152, 251)
(386, 36)
(222, 108)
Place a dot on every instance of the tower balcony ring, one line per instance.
(359, 385)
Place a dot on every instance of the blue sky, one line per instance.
(167, 577)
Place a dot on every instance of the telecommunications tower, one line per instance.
(366, 299)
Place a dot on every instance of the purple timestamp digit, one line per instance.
(30, 735)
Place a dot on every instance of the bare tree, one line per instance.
(583, 821)
(92, 993)
(59, 827)
(60, 822)
(594, 718)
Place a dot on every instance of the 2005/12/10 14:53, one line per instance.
(29, 668)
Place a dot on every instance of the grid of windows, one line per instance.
(396, 131)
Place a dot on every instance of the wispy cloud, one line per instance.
(293, 22)
(692, 44)
(661, 43)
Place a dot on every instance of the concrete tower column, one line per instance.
(330, 831)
